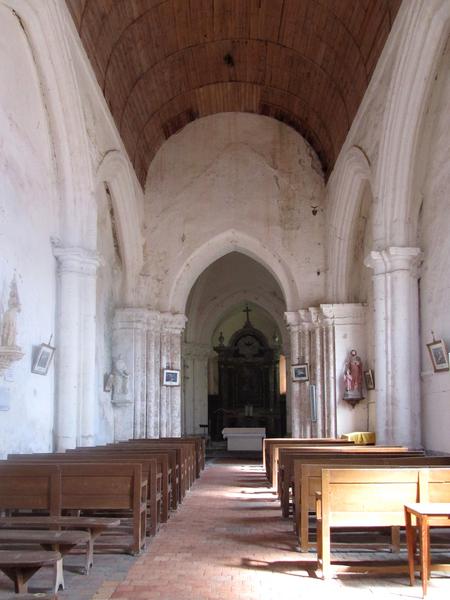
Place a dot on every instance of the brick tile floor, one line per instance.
(228, 541)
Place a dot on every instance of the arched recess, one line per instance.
(114, 172)
(226, 242)
(47, 28)
(426, 28)
(353, 174)
(223, 306)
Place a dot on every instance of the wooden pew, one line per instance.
(166, 465)
(307, 482)
(97, 486)
(27, 487)
(173, 455)
(274, 453)
(368, 498)
(95, 526)
(200, 449)
(186, 455)
(269, 443)
(149, 466)
(287, 456)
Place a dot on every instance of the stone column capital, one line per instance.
(315, 313)
(343, 314)
(131, 317)
(76, 260)
(173, 322)
(305, 318)
(292, 320)
(394, 258)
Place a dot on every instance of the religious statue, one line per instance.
(9, 324)
(120, 379)
(353, 378)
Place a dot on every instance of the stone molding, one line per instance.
(343, 314)
(173, 322)
(151, 320)
(80, 261)
(394, 258)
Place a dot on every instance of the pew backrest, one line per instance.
(26, 487)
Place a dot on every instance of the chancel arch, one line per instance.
(213, 344)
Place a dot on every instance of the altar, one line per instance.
(244, 438)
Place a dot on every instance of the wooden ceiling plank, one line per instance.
(163, 63)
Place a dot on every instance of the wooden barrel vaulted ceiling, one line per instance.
(163, 63)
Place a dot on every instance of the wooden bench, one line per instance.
(186, 457)
(368, 498)
(307, 482)
(276, 449)
(20, 565)
(172, 454)
(94, 486)
(95, 526)
(200, 449)
(166, 466)
(287, 456)
(27, 487)
(270, 443)
(57, 541)
(150, 468)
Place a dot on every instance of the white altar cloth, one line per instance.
(244, 438)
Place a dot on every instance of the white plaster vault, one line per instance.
(235, 209)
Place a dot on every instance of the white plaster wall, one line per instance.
(239, 172)
(28, 218)
(434, 241)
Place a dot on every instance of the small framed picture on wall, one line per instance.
(171, 377)
(439, 355)
(42, 360)
(369, 379)
(300, 372)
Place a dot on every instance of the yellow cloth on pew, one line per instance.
(360, 437)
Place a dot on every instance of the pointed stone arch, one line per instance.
(114, 171)
(224, 243)
(47, 30)
(354, 173)
(424, 34)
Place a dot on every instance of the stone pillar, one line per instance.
(195, 401)
(130, 346)
(172, 326)
(164, 395)
(292, 321)
(306, 429)
(396, 328)
(75, 340)
(317, 377)
(153, 375)
(330, 379)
